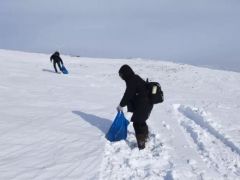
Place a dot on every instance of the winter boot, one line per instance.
(141, 139)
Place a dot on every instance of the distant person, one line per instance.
(56, 60)
(137, 101)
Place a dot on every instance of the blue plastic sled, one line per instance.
(64, 70)
(118, 129)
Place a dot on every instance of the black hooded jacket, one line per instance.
(56, 58)
(135, 96)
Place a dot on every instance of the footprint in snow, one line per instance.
(123, 159)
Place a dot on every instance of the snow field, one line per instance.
(53, 126)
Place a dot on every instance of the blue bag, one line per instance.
(64, 70)
(118, 129)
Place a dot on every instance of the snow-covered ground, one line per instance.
(52, 126)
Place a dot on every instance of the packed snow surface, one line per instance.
(53, 126)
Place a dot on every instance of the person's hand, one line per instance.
(119, 108)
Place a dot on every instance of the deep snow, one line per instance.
(52, 126)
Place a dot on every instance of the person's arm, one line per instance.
(51, 58)
(61, 60)
(129, 93)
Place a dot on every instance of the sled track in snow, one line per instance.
(199, 120)
(215, 149)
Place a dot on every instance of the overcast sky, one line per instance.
(202, 32)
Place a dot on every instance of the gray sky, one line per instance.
(201, 32)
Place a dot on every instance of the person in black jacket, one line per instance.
(137, 101)
(56, 60)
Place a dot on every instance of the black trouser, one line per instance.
(54, 65)
(141, 128)
(141, 131)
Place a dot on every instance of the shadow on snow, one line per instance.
(101, 123)
(48, 70)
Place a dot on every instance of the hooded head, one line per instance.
(57, 53)
(126, 72)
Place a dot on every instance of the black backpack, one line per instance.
(155, 93)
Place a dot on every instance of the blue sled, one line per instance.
(118, 129)
(64, 70)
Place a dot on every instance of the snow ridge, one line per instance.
(219, 153)
(198, 118)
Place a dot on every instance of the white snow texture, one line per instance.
(53, 126)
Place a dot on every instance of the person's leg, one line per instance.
(54, 65)
(141, 132)
(139, 118)
(59, 65)
(145, 131)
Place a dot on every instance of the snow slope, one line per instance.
(52, 126)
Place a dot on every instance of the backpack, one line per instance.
(155, 93)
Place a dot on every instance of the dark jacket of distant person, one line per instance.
(56, 57)
(56, 60)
